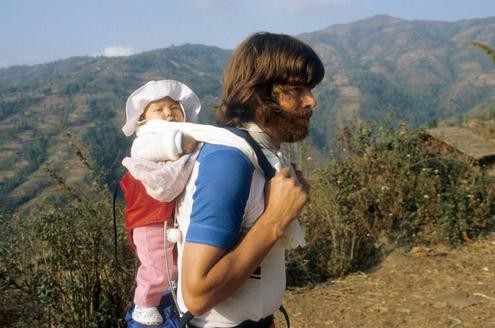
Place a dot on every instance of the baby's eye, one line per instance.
(157, 110)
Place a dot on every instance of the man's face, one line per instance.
(164, 109)
(291, 123)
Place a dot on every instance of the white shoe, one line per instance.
(148, 316)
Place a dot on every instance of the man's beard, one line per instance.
(288, 127)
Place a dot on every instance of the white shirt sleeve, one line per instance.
(162, 145)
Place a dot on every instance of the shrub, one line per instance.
(59, 269)
(388, 187)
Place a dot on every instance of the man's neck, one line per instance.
(262, 136)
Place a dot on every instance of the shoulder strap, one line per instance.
(116, 259)
(265, 165)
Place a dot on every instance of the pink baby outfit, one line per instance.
(144, 219)
(151, 276)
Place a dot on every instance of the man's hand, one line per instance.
(284, 200)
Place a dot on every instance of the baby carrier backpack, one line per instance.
(168, 308)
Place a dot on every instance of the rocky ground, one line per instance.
(426, 287)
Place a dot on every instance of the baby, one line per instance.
(151, 184)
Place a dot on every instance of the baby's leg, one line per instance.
(151, 277)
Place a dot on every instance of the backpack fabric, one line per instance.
(265, 165)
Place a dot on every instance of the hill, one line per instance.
(422, 71)
(83, 97)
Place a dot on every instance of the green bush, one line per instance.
(389, 187)
(59, 270)
(57, 266)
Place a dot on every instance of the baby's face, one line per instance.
(164, 109)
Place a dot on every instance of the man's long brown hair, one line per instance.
(264, 61)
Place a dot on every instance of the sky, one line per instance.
(39, 31)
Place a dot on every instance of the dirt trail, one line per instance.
(428, 287)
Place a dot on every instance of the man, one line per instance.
(231, 261)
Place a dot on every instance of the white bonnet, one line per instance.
(155, 90)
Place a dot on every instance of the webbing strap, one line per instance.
(286, 315)
(184, 320)
(116, 259)
(265, 165)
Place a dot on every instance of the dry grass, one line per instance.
(434, 287)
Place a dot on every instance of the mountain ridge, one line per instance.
(420, 70)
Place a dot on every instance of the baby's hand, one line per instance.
(189, 144)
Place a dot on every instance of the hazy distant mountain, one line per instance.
(87, 96)
(420, 70)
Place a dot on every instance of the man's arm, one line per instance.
(210, 274)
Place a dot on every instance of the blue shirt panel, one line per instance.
(223, 185)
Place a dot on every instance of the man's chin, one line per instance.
(286, 129)
(295, 135)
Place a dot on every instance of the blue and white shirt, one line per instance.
(222, 200)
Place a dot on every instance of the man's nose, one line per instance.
(308, 99)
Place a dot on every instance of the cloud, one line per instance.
(118, 51)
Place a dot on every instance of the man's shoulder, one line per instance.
(224, 163)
